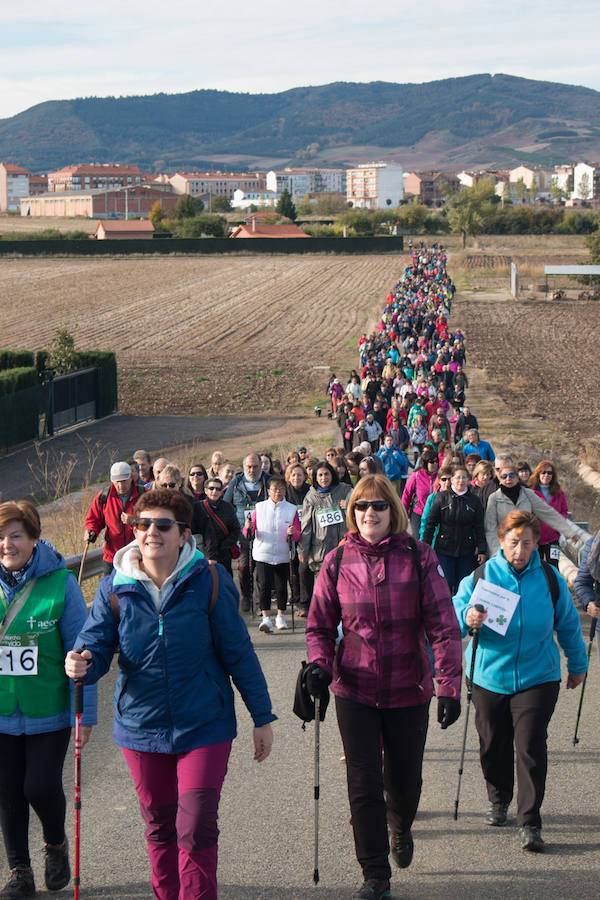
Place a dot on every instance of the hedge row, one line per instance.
(16, 359)
(17, 379)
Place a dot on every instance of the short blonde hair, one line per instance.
(371, 486)
(172, 473)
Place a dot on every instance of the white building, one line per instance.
(300, 182)
(376, 185)
(586, 182)
(14, 184)
(244, 199)
(216, 184)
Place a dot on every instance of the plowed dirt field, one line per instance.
(202, 335)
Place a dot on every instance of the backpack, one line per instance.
(549, 572)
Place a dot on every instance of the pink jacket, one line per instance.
(559, 503)
(420, 484)
(382, 659)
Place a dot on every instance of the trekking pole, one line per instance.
(291, 546)
(250, 562)
(317, 785)
(589, 652)
(474, 632)
(83, 558)
(78, 709)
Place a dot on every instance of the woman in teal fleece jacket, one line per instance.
(516, 677)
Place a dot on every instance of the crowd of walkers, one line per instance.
(389, 544)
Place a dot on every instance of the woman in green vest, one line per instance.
(42, 610)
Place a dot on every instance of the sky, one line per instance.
(123, 47)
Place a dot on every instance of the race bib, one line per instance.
(330, 515)
(554, 552)
(248, 511)
(18, 656)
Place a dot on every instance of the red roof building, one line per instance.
(255, 229)
(120, 230)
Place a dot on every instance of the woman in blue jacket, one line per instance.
(181, 642)
(517, 675)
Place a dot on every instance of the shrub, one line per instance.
(13, 359)
(18, 379)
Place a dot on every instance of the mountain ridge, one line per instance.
(475, 120)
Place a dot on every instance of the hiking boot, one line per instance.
(280, 622)
(402, 848)
(497, 814)
(531, 839)
(266, 626)
(56, 867)
(374, 889)
(20, 884)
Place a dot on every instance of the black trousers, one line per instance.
(544, 551)
(267, 577)
(31, 767)
(301, 583)
(387, 791)
(515, 722)
(246, 567)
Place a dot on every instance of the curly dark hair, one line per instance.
(166, 498)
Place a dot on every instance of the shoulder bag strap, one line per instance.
(15, 608)
(214, 516)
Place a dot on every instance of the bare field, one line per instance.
(197, 335)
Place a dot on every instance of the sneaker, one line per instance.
(56, 869)
(497, 814)
(266, 625)
(20, 884)
(280, 622)
(301, 613)
(374, 889)
(402, 848)
(531, 839)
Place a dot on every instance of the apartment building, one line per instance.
(376, 185)
(300, 182)
(217, 184)
(586, 181)
(14, 184)
(430, 187)
(93, 177)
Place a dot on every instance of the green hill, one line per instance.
(478, 119)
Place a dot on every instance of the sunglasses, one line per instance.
(378, 505)
(168, 484)
(162, 524)
(197, 475)
(214, 487)
(506, 475)
(445, 478)
(547, 472)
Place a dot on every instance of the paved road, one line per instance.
(266, 844)
(97, 445)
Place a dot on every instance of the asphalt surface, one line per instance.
(266, 815)
(24, 473)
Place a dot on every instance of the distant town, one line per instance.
(110, 191)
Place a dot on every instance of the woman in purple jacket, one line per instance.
(390, 594)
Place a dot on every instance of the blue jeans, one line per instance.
(456, 568)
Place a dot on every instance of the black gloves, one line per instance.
(91, 536)
(317, 680)
(448, 711)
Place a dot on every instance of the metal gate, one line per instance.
(74, 398)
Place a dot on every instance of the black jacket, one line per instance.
(217, 544)
(461, 524)
(463, 423)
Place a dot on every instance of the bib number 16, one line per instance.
(18, 660)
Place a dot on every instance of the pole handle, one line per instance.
(78, 698)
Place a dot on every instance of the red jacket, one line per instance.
(108, 515)
(382, 659)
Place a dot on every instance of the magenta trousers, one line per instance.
(179, 801)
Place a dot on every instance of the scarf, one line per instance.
(511, 492)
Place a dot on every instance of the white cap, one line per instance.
(120, 471)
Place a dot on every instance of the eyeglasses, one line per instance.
(378, 505)
(197, 475)
(161, 524)
(505, 475)
(168, 484)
